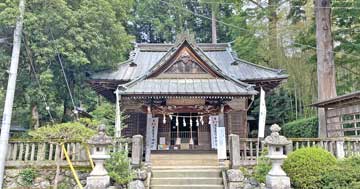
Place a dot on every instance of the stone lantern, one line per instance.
(276, 178)
(99, 176)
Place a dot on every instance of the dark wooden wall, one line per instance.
(136, 124)
(236, 122)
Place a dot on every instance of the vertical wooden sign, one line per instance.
(154, 132)
(214, 123)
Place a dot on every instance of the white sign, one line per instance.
(214, 123)
(262, 114)
(162, 140)
(221, 143)
(154, 131)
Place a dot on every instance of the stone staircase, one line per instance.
(180, 171)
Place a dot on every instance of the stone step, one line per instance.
(186, 181)
(183, 156)
(161, 173)
(186, 186)
(185, 167)
(198, 162)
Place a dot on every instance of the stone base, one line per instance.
(97, 182)
(235, 175)
(236, 185)
(136, 184)
(277, 182)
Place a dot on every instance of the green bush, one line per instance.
(345, 175)
(306, 166)
(301, 128)
(119, 168)
(263, 167)
(65, 131)
(27, 177)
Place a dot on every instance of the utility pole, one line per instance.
(10, 91)
(325, 59)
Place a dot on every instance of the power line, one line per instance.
(291, 6)
(47, 107)
(247, 30)
(65, 77)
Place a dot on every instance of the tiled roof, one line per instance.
(145, 56)
(346, 98)
(187, 87)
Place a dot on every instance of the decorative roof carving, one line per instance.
(185, 64)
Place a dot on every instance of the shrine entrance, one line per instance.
(185, 126)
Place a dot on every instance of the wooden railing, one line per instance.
(251, 148)
(48, 153)
(351, 146)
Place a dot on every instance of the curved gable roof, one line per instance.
(147, 57)
(247, 89)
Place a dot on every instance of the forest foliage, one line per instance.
(93, 35)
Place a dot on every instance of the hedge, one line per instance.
(301, 128)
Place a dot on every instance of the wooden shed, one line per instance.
(342, 115)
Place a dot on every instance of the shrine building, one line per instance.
(178, 96)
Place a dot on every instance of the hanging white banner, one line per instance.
(214, 123)
(154, 132)
(262, 114)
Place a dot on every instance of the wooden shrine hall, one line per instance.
(185, 95)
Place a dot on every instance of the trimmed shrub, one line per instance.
(119, 168)
(345, 175)
(65, 131)
(301, 128)
(263, 167)
(306, 166)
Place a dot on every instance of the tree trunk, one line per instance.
(325, 58)
(213, 23)
(272, 32)
(35, 123)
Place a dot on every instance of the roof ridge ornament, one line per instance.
(185, 36)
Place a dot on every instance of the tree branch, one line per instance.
(257, 4)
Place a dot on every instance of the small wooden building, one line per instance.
(178, 93)
(342, 115)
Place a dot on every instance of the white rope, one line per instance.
(250, 31)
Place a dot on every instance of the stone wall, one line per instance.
(45, 178)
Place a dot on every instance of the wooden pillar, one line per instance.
(148, 136)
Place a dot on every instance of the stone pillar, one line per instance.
(148, 136)
(234, 148)
(340, 153)
(276, 178)
(137, 151)
(289, 148)
(99, 178)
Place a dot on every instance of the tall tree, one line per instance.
(88, 36)
(325, 58)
